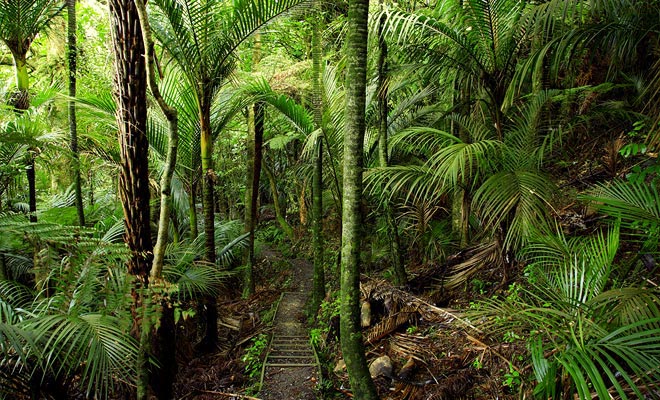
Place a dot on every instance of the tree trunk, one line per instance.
(192, 211)
(131, 97)
(288, 231)
(356, 70)
(21, 102)
(73, 131)
(208, 204)
(131, 94)
(172, 117)
(318, 287)
(163, 339)
(255, 155)
(400, 277)
(461, 194)
(32, 189)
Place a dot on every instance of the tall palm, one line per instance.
(177, 91)
(73, 127)
(470, 49)
(511, 194)
(200, 37)
(20, 22)
(356, 79)
(481, 46)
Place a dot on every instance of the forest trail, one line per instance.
(291, 368)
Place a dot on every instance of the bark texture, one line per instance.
(73, 126)
(255, 156)
(131, 97)
(400, 277)
(351, 337)
(318, 287)
(210, 318)
(163, 339)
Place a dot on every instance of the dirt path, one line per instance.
(291, 371)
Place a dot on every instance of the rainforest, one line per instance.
(329, 199)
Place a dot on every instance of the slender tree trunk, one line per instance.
(131, 97)
(356, 70)
(73, 131)
(318, 291)
(163, 340)
(192, 211)
(21, 102)
(461, 195)
(32, 188)
(172, 117)
(255, 155)
(400, 277)
(208, 204)
(288, 231)
(4, 273)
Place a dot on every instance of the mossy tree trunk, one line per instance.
(356, 68)
(210, 318)
(255, 156)
(400, 276)
(162, 340)
(192, 204)
(73, 127)
(318, 287)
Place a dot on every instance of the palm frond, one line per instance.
(519, 198)
(22, 20)
(197, 279)
(630, 201)
(90, 343)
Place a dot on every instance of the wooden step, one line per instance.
(291, 365)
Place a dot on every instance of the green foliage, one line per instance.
(271, 233)
(253, 357)
(78, 323)
(636, 203)
(583, 336)
(22, 20)
(512, 378)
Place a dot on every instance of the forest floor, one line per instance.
(433, 356)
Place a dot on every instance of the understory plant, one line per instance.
(65, 304)
(585, 336)
(66, 322)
